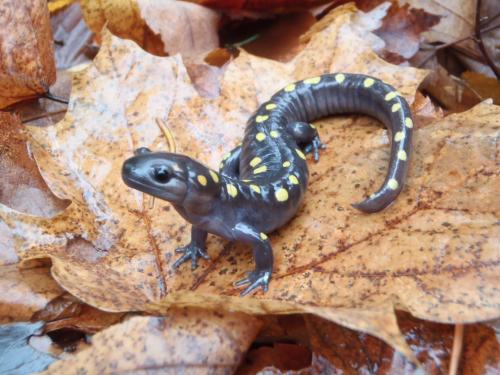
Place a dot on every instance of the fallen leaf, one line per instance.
(402, 27)
(23, 291)
(483, 86)
(262, 5)
(481, 351)
(26, 51)
(435, 247)
(353, 352)
(457, 18)
(185, 341)
(184, 28)
(16, 355)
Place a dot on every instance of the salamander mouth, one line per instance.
(151, 190)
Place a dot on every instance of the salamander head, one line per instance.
(171, 177)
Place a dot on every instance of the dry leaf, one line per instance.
(26, 50)
(457, 18)
(22, 291)
(185, 341)
(184, 28)
(432, 252)
(262, 5)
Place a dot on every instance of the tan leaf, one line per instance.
(185, 28)
(27, 65)
(432, 252)
(185, 341)
(457, 18)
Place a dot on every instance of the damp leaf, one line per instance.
(185, 340)
(432, 252)
(159, 27)
(27, 65)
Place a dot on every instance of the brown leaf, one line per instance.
(432, 252)
(481, 351)
(26, 50)
(402, 27)
(158, 26)
(262, 5)
(350, 352)
(187, 340)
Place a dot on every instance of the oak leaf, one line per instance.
(27, 65)
(158, 26)
(184, 341)
(432, 252)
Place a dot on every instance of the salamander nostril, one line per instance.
(128, 168)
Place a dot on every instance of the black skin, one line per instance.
(262, 182)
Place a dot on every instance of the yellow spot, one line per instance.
(263, 236)
(261, 169)
(293, 179)
(340, 78)
(231, 190)
(202, 180)
(408, 122)
(368, 82)
(312, 81)
(260, 137)
(274, 134)
(256, 160)
(255, 188)
(290, 87)
(221, 165)
(286, 164)
(214, 176)
(393, 184)
(391, 96)
(399, 136)
(300, 153)
(261, 118)
(226, 156)
(270, 106)
(395, 107)
(246, 180)
(281, 195)
(312, 126)
(402, 155)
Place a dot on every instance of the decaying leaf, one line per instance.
(432, 252)
(158, 26)
(26, 50)
(16, 355)
(184, 341)
(23, 291)
(262, 5)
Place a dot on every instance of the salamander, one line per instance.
(261, 183)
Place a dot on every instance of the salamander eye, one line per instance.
(161, 174)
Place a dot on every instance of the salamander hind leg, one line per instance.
(194, 250)
(306, 136)
(263, 256)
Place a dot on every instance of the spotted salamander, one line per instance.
(261, 183)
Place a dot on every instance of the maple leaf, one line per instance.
(432, 252)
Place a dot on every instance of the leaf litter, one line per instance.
(434, 248)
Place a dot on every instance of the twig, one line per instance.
(43, 115)
(456, 351)
(54, 98)
(480, 43)
(450, 44)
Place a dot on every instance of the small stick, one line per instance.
(456, 351)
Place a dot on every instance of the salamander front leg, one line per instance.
(306, 136)
(263, 256)
(194, 250)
